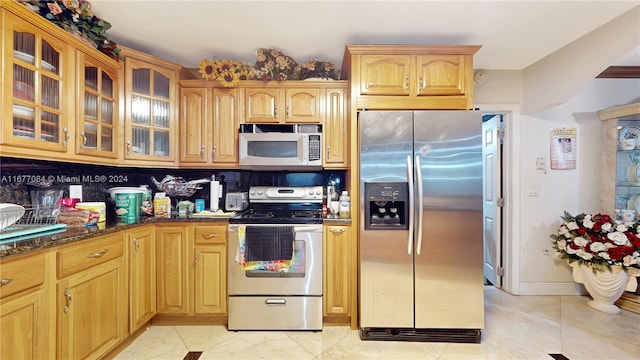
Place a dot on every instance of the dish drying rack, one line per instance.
(33, 217)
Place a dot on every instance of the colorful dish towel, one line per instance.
(281, 265)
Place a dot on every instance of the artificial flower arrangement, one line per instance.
(598, 241)
(76, 17)
(227, 72)
(317, 69)
(271, 64)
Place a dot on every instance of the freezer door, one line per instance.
(386, 267)
(448, 263)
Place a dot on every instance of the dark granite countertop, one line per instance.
(32, 244)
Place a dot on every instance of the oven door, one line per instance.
(303, 278)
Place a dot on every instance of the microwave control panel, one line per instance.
(314, 147)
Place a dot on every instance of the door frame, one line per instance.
(510, 184)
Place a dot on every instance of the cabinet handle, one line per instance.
(137, 246)
(213, 152)
(84, 139)
(338, 230)
(197, 259)
(287, 111)
(128, 147)
(421, 84)
(406, 83)
(328, 151)
(209, 236)
(67, 295)
(275, 111)
(202, 152)
(66, 136)
(98, 254)
(4, 282)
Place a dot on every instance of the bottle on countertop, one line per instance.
(345, 205)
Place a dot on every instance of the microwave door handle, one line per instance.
(411, 208)
(420, 204)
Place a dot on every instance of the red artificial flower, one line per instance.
(615, 253)
(582, 230)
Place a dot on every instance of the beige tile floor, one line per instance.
(516, 327)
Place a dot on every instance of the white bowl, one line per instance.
(9, 214)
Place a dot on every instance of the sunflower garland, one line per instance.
(227, 72)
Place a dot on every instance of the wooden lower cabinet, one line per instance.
(91, 297)
(337, 274)
(142, 275)
(25, 329)
(191, 269)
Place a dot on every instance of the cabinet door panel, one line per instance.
(337, 252)
(172, 270)
(210, 279)
(225, 126)
(142, 276)
(303, 105)
(262, 105)
(385, 75)
(193, 125)
(23, 328)
(441, 75)
(336, 129)
(92, 302)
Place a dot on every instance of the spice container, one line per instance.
(344, 210)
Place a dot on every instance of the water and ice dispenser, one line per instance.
(386, 205)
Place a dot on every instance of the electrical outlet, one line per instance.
(540, 164)
(545, 252)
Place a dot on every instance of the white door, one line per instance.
(491, 193)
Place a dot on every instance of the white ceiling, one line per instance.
(513, 34)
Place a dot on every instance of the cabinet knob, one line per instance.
(420, 84)
(288, 111)
(406, 83)
(202, 152)
(275, 111)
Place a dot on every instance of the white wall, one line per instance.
(559, 190)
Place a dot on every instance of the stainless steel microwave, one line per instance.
(280, 146)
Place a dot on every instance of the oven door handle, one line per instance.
(297, 229)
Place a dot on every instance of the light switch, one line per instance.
(540, 164)
(534, 190)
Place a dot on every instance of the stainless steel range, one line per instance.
(275, 261)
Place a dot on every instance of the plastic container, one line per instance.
(344, 210)
(99, 207)
(128, 207)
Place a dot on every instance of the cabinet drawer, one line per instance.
(211, 234)
(21, 274)
(91, 253)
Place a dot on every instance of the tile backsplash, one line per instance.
(20, 176)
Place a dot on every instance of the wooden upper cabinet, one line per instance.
(98, 104)
(282, 105)
(440, 75)
(151, 109)
(410, 77)
(262, 105)
(193, 125)
(302, 105)
(37, 78)
(385, 75)
(225, 124)
(336, 129)
(208, 125)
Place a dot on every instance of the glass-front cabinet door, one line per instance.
(97, 108)
(150, 127)
(35, 79)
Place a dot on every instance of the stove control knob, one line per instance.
(310, 192)
(318, 192)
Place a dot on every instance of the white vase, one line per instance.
(605, 287)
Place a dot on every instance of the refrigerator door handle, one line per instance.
(420, 204)
(411, 208)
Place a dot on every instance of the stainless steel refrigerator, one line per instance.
(421, 275)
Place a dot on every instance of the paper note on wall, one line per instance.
(563, 144)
